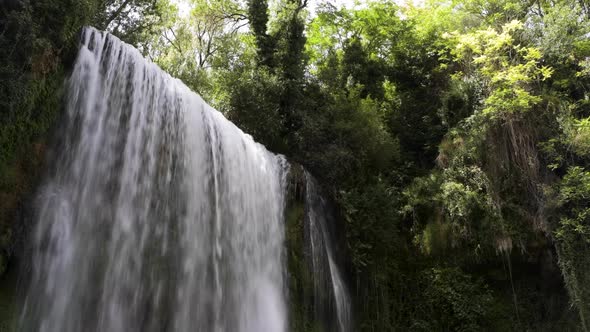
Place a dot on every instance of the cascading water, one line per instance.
(330, 293)
(161, 215)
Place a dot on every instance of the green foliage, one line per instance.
(134, 21)
(258, 17)
(508, 67)
(572, 235)
(454, 302)
(188, 47)
(579, 136)
(455, 210)
(253, 105)
(373, 235)
(350, 132)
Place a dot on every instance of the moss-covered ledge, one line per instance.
(299, 278)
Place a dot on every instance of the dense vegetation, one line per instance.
(454, 136)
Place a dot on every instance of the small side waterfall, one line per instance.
(160, 214)
(330, 294)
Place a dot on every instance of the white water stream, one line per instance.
(161, 215)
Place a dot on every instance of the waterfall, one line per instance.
(161, 215)
(330, 294)
(158, 213)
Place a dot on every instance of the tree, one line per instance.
(188, 47)
(133, 21)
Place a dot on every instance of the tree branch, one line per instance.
(116, 13)
(177, 47)
(301, 6)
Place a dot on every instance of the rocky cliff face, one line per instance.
(318, 293)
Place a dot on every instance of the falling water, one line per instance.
(161, 215)
(330, 293)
